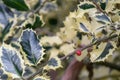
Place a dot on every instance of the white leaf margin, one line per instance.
(23, 53)
(59, 64)
(41, 78)
(94, 56)
(20, 57)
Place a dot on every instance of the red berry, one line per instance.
(78, 52)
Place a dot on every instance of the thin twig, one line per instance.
(28, 14)
(35, 11)
(99, 8)
(33, 75)
(37, 72)
(108, 64)
(72, 53)
(32, 12)
(89, 45)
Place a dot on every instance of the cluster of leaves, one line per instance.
(91, 22)
(22, 52)
(30, 53)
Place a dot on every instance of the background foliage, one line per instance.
(59, 39)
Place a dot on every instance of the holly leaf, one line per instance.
(102, 18)
(51, 40)
(41, 78)
(103, 5)
(29, 70)
(106, 51)
(11, 61)
(53, 63)
(86, 6)
(31, 46)
(16, 4)
(5, 15)
(37, 23)
(83, 27)
(5, 31)
(102, 51)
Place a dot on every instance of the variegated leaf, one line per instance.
(31, 46)
(102, 18)
(36, 23)
(86, 6)
(53, 63)
(83, 27)
(6, 30)
(41, 78)
(5, 15)
(102, 51)
(11, 61)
